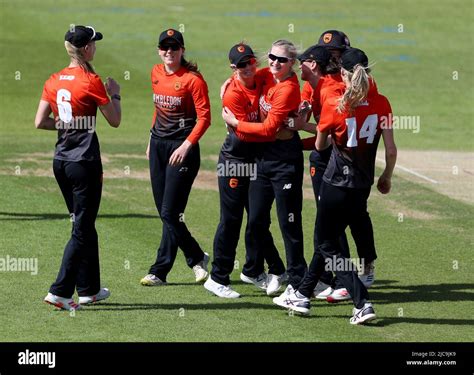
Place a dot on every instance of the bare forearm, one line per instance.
(390, 161)
(118, 110)
(46, 124)
(310, 128)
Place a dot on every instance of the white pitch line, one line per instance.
(412, 172)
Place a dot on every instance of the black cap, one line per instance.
(79, 35)
(238, 52)
(172, 34)
(334, 39)
(317, 53)
(353, 56)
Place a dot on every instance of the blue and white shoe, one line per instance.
(367, 276)
(223, 291)
(293, 301)
(260, 281)
(363, 315)
(275, 282)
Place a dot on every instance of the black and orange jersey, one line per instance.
(244, 104)
(278, 102)
(74, 95)
(182, 106)
(328, 86)
(355, 137)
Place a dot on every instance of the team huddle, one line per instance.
(266, 116)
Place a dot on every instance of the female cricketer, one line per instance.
(279, 163)
(182, 115)
(316, 92)
(242, 98)
(354, 122)
(73, 95)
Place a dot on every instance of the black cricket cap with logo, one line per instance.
(171, 35)
(240, 51)
(79, 35)
(334, 39)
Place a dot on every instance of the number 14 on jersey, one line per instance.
(368, 130)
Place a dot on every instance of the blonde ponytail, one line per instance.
(357, 92)
(76, 55)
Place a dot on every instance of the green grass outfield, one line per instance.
(424, 286)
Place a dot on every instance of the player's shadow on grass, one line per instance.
(225, 305)
(383, 322)
(23, 216)
(443, 292)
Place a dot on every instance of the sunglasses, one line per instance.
(93, 31)
(281, 59)
(166, 47)
(243, 64)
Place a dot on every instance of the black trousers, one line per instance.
(318, 161)
(338, 207)
(171, 187)
(282, 181)
(361, 231)
(81, 185)
(233, 193)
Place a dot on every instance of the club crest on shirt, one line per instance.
(233, 183)
(177, 85)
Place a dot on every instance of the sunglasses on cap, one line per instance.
(243, 64)
(166, 47)
(93, 32)
(281, 59)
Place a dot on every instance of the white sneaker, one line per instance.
(103, 294)
(200, 269)
(61, 302)
(260, 281)
(274, 283)
(224, 291)
(322, 290)
(367, 275)
(339, 295)
(294, 301)
(152, 280)
(363, 315)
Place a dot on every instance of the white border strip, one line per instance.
(412, 172)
